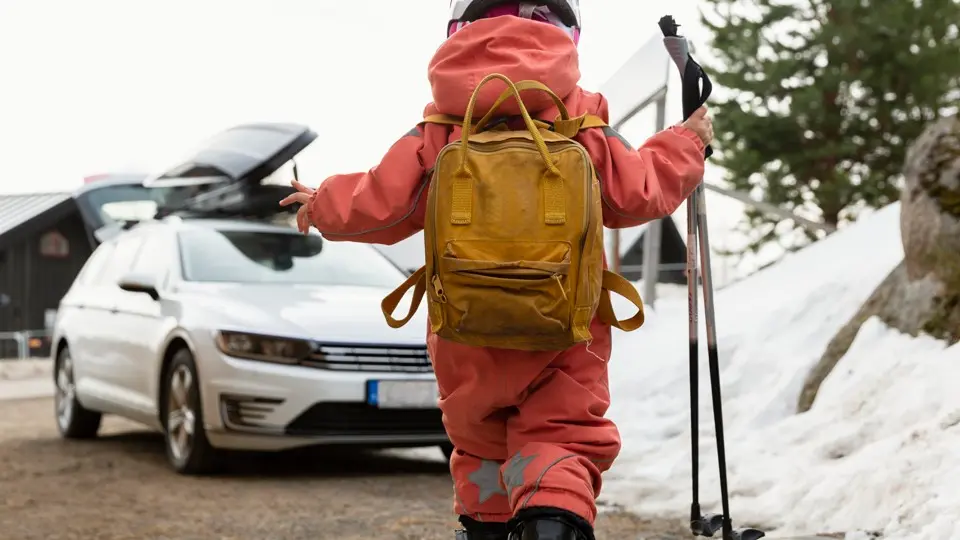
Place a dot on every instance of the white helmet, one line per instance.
(568, 11)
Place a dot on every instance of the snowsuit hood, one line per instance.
(519, 48)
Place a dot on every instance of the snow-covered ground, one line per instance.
(879, 451)
(12, 370)
(25, 379)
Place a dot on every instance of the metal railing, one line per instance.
(25, 344)
(721, 271)
(663, 267)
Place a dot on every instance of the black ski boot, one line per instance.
(549, 524)
(478, 530)
(467, 535)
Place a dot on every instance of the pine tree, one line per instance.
(819, 99)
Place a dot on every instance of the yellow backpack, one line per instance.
(514, 236)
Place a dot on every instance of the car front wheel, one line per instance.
(188, 450)
(73, 420)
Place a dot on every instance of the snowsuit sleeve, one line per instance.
(648, 183)
(381, 206)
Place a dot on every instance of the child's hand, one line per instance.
(302, 196)
(701, 124)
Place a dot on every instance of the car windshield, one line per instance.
(251, 256)
(122, 202)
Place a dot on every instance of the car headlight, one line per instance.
(264, 348)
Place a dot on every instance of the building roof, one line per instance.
(15, 210)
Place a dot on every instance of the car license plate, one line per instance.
(402, 394)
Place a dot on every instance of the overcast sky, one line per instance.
(103, 85)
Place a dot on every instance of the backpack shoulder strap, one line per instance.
(592, 121)
(447, 120)
(443, 119)
(615, 283)
(570, 128)
(418, 282)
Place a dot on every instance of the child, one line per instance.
(529, 429)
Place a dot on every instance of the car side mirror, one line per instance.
(140, 283)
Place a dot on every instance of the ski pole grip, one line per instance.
(691, 73)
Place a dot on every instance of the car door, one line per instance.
(83, 319)
(140, 318)
(112, 344)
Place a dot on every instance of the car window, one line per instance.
(95, 264)
(111, 203)
(244, 256)
(128, 210)
(153, 258)
(124, 253)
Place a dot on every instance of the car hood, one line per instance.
(324, 313)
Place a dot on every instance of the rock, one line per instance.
(897, 301)
(930, 213)
(922, 294)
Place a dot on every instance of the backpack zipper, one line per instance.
(438, 289)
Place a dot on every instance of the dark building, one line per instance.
(673, 255)
(45, 238)
(43, 244)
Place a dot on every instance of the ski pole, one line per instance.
(696, 517)
(693, 98)
(700, 524)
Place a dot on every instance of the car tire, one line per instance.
(74, 421)
(447, 449)
(188, 450)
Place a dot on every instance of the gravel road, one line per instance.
(119, 487)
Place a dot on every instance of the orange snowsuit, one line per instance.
(528, 427)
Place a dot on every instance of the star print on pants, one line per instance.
(513, 474)
(487, 478)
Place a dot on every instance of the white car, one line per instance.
(230, 334)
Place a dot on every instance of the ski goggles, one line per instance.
(471, 10)
(525, 10)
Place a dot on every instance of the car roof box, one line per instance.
(224, 176)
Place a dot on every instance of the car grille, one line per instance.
(333, 418)
(351, 357)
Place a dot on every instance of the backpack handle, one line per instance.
(521, 86)
(531, 127)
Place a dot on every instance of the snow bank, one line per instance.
(875, 451)
(26, 389)
(15, 370)
(25, 379)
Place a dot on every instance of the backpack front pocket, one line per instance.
(507, 288)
